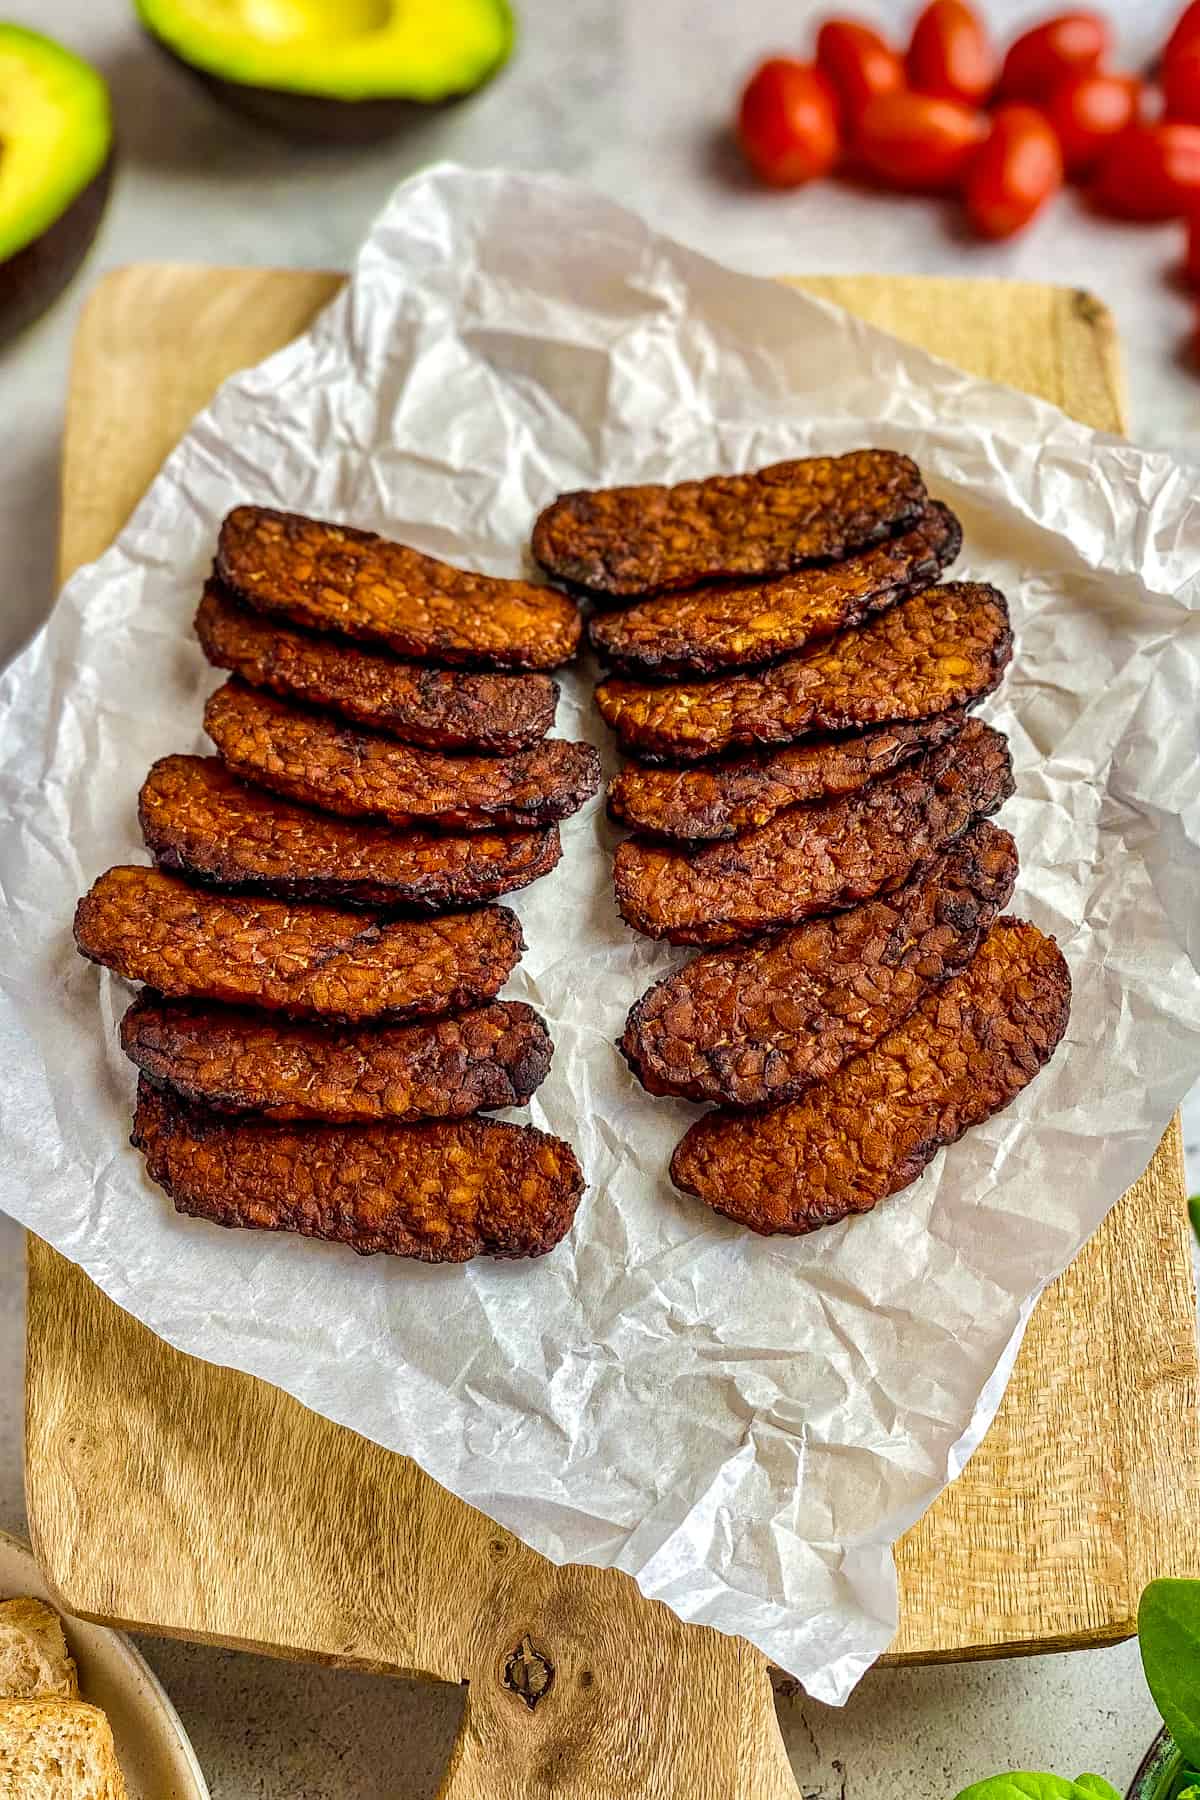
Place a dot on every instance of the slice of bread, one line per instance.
(35, 1663)
(57, 1750)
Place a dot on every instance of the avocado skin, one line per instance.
(314, 118)
(34, 277)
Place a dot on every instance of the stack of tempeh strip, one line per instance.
(811, 797)
(306, 1066)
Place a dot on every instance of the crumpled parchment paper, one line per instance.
(744, 1425)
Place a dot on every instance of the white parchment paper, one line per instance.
(744, 1425)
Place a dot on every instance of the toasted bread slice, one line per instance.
(35, 1663)
(57, 1750)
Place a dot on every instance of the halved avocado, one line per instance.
(337, 71)
(55, 169)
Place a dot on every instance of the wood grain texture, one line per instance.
(191, 1500)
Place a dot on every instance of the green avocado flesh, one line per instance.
(55, 133)
(341, 49)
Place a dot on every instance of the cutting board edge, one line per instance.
(1099, 323)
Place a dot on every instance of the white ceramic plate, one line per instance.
(157, 1761)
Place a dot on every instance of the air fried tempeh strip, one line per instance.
(308, 961)
(755, 1026)
(201, 821)
(438, 1192)
(645, 540)
(443, 709)
(313, 759)
(236, 1060)
(814, 859)
(719, 799)
(717, 628)
(871, 1129)
(334, 578)
(946, 647)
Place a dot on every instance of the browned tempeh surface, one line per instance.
(757, 1025)
(714, 628)
(335, 578)
(818, 858)
(308, 961)
(946, 647)
(439, 1192)
(443, 709)
(199, 820)
(236, 1060)
(341, 769)
(871, 1129)
(719, 799)
(648, 539)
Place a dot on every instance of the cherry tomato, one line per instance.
(1180, 79)
(1186, 32)
(1151, 172)
(918, 142)
(1071, 44)
(1015, 173)
(859, 63)
(1087, 112)
(787, 122)
(950, 54)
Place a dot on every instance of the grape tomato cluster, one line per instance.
(950, 114)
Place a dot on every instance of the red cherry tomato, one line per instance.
(1181, 84)
(787, 122)
(1151, 172)
(950, 54)
(1015, 173)
(918, 142)
(1186, 32)
(1087, 112)
(859, 63)
(1071, 44)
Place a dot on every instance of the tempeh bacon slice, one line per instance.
(715, 628)
(442, 709)
(757, 1025)
(307, 961)
(874, 1126)
(237, 1060)
(946, 647)
(719, 799)
(814, 859)
(335, 578)
(441, 1191)
(632, 541)
(312, 758)
(199, 820)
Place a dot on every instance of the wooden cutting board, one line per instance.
(187, 1499)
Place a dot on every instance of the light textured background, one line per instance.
(633, 97)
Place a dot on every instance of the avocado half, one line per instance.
(333, 71)
(55, 170)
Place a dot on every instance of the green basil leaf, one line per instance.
(1194, 1213)
(1190, 1792)
(1026, 1784)
(1169, 1635)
